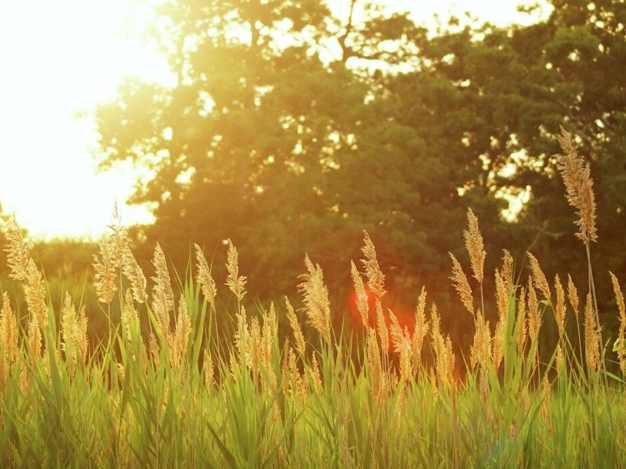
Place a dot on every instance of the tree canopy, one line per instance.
(290, 129)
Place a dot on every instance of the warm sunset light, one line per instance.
(65, 56)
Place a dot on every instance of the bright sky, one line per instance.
(58, 57)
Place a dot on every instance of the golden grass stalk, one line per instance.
(315, 298)
(560, 308)
(181, 335)
(378, 388)
(162, 293)
(592, 336)
(402, 347)
(132, 271)
(474, 245)
(498, 343)
(73, 334)
(480, 353)
(208, 371)
(579, 187)
(296, 328)
(461, 285)
(316, 376)
(539, 278)
(105, 266)
(444, 356)
(522, 331)
(361, 295)
(375, 277)
(502, 294)
(381, 328)
(620, 344)
(420, 331)
(18, 252)
(234, 282)
(204, 277)
(572, 295)
(269, 335)
(34, 340)
(8, 339)
(534, 319)
(242, 335)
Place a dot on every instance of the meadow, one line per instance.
(172, 387)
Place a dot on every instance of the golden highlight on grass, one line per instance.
(375, 277)
(475, 247)
(204, 277)
(579, 188)
(315, 298)
(235, 282)
(461, 285)
(246, 402)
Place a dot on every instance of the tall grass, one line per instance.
(168, 388)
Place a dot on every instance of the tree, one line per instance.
(264, 108)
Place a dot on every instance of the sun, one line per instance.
(60, 58)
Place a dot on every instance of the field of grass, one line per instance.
(170, 387)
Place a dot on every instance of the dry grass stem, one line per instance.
(620, 345)
(461, 285)
(572, 295)
(105, 266)
(560, 308)
(204, 277)
(381, 328)
(235, 282)
(579, 188)
(8, 339)
(375, 277)
(361, 295)
(132, 271)
(480, 353)
(539, 279)
(315, 298)
(162, 293)
(592, 336)
(421, 329)
(296, 328)
(474, 245)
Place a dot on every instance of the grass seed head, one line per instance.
(298, 336)
(579, 187)
(204, 277)
(315, 298)
(461, 285)
(375, 276)
(474, 245)
(235, 282)
(361, 295)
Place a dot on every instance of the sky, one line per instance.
(59, 58)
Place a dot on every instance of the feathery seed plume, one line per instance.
(620, 344)
(474, 245)
(295, 327)
(375, 277)
(315, 298)
(592, 336)
(559, 311)
(163, 295)
(234, 282)
(461, 285)
(204, 278)
(105, 266)
(579, 186)
(421, 329)
(539, 279)
(132, 271)
(361, 294)
(572, 294)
